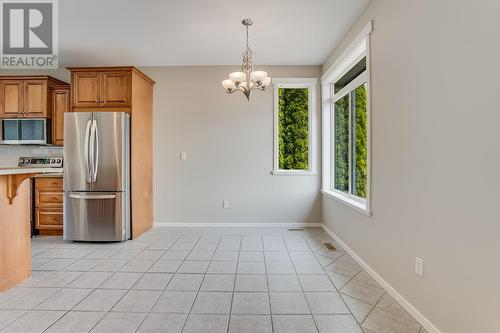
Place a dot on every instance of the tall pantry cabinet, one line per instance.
(124, 89)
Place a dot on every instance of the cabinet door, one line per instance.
(115, 89)
(35, 98)
(11, 98)
(86, 89)
(59, 104)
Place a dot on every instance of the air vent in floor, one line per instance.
(330, 246)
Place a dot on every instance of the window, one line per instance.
(346, 127)
(350, 136)
(294, 115)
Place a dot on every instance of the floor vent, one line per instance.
(330, 246)
(296, 229)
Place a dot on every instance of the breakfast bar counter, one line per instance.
(15, 229)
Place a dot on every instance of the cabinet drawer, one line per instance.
(49, 182)
(44, 197)
(49, 218)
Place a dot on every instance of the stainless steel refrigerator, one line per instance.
(96, 176)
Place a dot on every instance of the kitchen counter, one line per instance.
(19, 171)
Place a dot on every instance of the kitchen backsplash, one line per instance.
(9, 155)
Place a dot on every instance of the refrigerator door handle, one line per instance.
(87, 153)
(95, 150)
(91, 196)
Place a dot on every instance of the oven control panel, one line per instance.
(43, 162)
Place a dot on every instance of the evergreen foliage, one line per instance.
(342, 144)
(359, 138)
(360, 172)
(293, 128)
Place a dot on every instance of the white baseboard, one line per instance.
(237, 225)
(393, 292)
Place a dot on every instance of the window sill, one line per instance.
(294, 173)
(360, 207)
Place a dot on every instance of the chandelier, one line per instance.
(247, 80)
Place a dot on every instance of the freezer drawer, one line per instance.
(96, 216)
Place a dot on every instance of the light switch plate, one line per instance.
(419, 266)
(225, 204)
(183, 156)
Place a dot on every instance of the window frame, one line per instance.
(310, 84)
(359, 48)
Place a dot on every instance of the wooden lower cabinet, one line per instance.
(49, 205)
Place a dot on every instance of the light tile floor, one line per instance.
(201, 280)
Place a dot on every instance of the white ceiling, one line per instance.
(201, 32)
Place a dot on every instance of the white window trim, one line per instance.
(311, 84)
(358, 48)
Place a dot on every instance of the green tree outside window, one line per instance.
(350, 118)
(358, 104)
(293, 128)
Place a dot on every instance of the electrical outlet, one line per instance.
(419, 266)
(183, 156)
(225, 204)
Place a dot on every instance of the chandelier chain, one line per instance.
(248, 48)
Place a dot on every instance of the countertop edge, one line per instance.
(19, 171)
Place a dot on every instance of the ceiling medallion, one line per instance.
(247, 80)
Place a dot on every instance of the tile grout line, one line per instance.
(371, 311)
(303, 293)
(267, 284)
(234, 284)
(131, 288)
(199, 287)
(341, 293)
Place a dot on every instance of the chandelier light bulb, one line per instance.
(237, 77)
(229, 85)
(258, 77)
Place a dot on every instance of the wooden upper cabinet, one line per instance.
(86, 89)
(11, 98)
(116, 89)
(35, 98)
(102, 88)
(60, 103)
(28, 96)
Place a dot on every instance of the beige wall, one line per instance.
(229, 146)
(435, 158)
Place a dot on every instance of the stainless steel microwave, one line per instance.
(25, 131)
